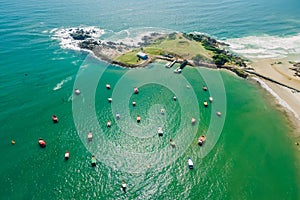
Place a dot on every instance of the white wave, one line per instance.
(60, 84)
(134, 36)
(66, 41)
(265, 46)
(282, 102)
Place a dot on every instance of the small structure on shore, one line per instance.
(13, 142)
(205, 103)
(211, 99)
(142, 55)
(162, 111)
(117, 116)
(133, 103)
(107, 86)
(204, 88)
(175, 98)
(219, 113)
(109, 100)
(183, 64)
(135, 90)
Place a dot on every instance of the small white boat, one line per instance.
(109, 100)
(138, 119)
(190, 163)
(160, 131)
(124, 186)
(162, 111)
(205, 103)
(204, 88)
(90, 136)
(193, 121)
(219, 113)
(108, 123)
(177, 70)
(107, 86)
(174, 98)
(211, 99)
(67, 155)
(77, 92)
(133, 103)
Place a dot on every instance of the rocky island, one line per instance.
(196, 49)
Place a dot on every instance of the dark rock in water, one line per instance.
(80, 34)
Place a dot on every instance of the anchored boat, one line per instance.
(201, 140)
(190, 163)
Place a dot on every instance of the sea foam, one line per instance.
(66, 41)
(60, 84)
(265, 46)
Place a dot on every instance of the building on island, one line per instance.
(142, 55)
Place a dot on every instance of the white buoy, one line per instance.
(77, 92)
(193, 121)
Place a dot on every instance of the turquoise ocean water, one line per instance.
(253, 157)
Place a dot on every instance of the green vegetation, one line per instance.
(173, 44)
(220, 56)
(129, 58)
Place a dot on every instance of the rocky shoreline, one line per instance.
(109, 50)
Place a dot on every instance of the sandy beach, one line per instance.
(279, 69)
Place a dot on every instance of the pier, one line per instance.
(171, 64)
